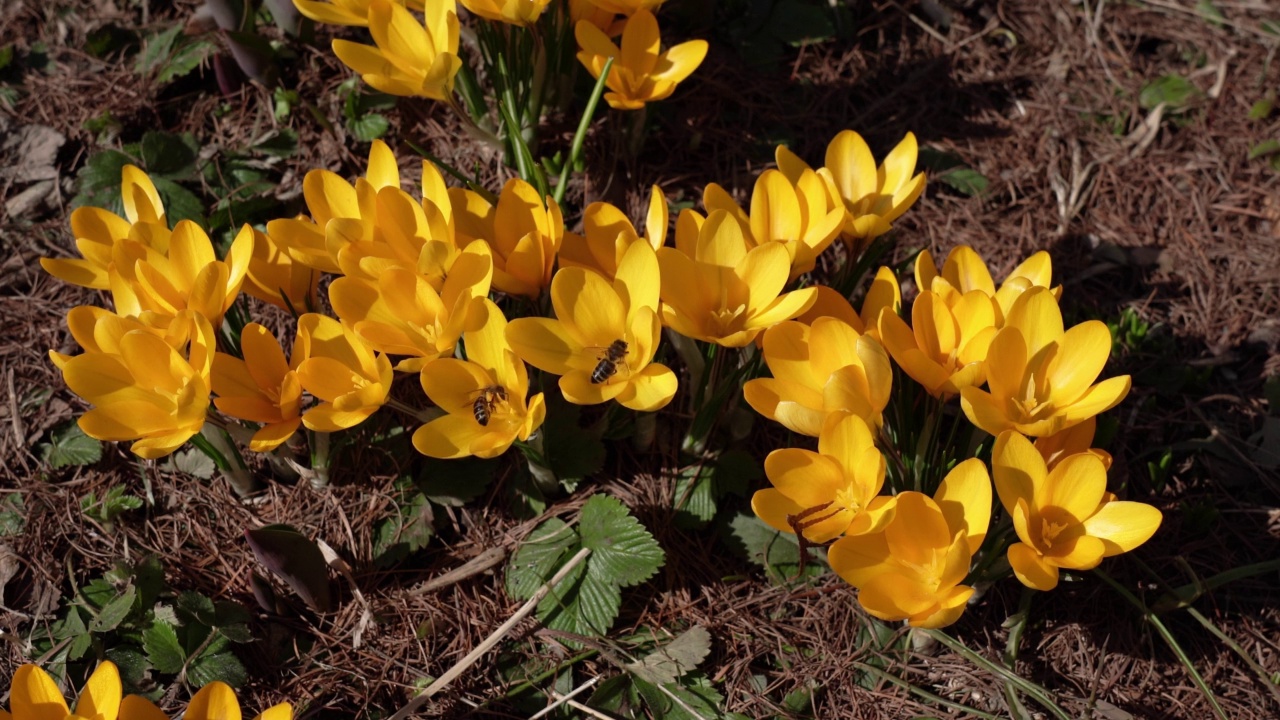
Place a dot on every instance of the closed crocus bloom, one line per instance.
(829, 493)
(873, 196)
(719, 289)
(1040, 377)
(603, 338)
(945, 346)
(964, 271)
(1074, 440)
(189, 277)
(1064, 517)
(523, 233)
(511, 12)
(342, 12)
(217, 701)
(608, 233)
(98, 232)
(33, 695)
(818, 370)
(329, 197)
(484, 395)
(409, 58)
(338, 368)
(641, 73)
(262, 388)
(794, 214)
(401, 313)
(913, 570)
(274, 277)
(146, 390)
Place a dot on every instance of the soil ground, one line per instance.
(1160, 210)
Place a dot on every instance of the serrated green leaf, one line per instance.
(192, 462)
(160, 642)
(170, 55)
(98, 592)
(13, 514)
(114, 612)
(370, 127)
(698, 695)
(966, 180)
(623, 551)
(196, 607)
(168, 154)
(68, 445)
(79, 645)
(283, 143)
(1174, 91)
(539, 556)
(148, 577)
(133, 665)
(583, 603)
(156, 49)
(71, 626)
(777, 552)
(694, 497)
(571, 451)
(221, 666)
(408, 530)
(674, 659)
(1264, 148)
(179, 202)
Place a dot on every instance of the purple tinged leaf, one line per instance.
(229, 14)
(286, 16)
(294, 558)
(254, 56)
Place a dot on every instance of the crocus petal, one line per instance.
(578, 388)
(894, 596)
(134, 707)
(1031, 568)
(948, 610)
(773, 507)
(848, 440)
(547, 345)
(100, 697)
(859, 558)
(852, 165)
(34, 695)
(984, 410)
(650, 389)
(588, 306)
(1123, 525)
(448, 437)
(1038, 319)
(215, 701)
(454, 384)
(965, 498)
(273, 435)
(1017, 468)
(1075, 486)
(283, 711)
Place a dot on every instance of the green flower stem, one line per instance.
(1168, 638)
(319, 443)
(575, 149)
(214, 442)
(1032, 690)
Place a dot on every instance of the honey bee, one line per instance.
(608, 365)
(486, 401)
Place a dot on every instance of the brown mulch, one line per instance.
(1169, 218)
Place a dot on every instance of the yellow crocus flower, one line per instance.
(98, 232)
(913, 570)
(1072, 441)
(340, 370)
(793, 213)
(523, 233)
(626, 7)
(641, 73)
(588, 10)
(1040, 377)
(608, 233)
(217, 701)
(818, 370)
(329, 197)
(144, 386)
(274, 277)
(188, 277)
(262, 388)
(945, 346)
(343, 12)
(717, 288)
(965, 271)
(512, 12)
(1064, 516)
(484, 395)
(402, 313)
(603, 339)
(828, 493)
(409, 58)
(872, 196)
(33, 695)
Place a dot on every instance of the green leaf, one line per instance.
(6, 56)
(1264, 148)
(571, 451)
(156, 49)
(1210, 12)
(1172, 90)
(148, 577)
(168, 154)
(132, 664)
(160, 642)
(584, 603)
(539, 556)
(408, 530)
(695, 497)
(455, 483)
(623, 551)
(1261, 110)
(777, 552)
(114, 612)
(282, 144)
(179, 202)
(191, 462)
(370, 127)
(218, 666)
(699, 695)
(170, 55)
(296, 559)
(13, 514)
(966, 180)
(79, 646)
(192, 606)
(674, 659)
(68, 445)
(798, 23)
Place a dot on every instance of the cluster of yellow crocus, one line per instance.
(909, 553)
(33, 695)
